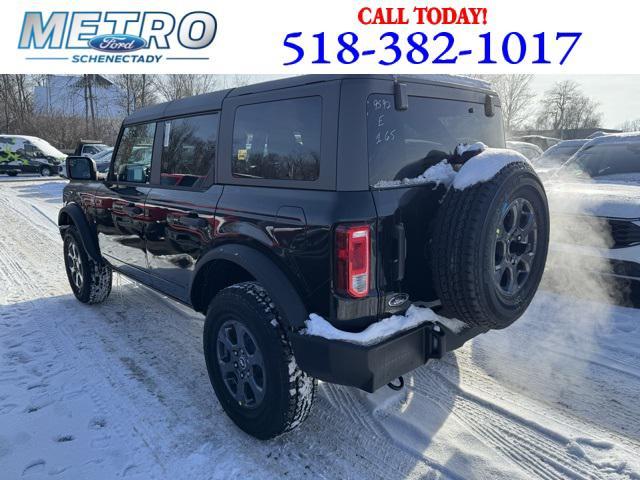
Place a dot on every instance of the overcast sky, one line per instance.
(619, 95)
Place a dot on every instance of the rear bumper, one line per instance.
(369, 367)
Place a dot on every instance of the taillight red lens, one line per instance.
(352, 260)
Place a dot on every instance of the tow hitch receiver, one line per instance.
(369, 367)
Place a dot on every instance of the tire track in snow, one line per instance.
(152, 432)
(538, 450)
(621, 419)
(158, 325)
(24, 291)
(176, 411)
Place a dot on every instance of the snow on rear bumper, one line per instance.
(369, 367)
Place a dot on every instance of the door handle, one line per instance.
(193, 219)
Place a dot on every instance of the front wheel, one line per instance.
(45, 171)
(90, 281)
(251, 365)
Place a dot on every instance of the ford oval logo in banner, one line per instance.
(117, 43)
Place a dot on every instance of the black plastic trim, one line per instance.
(87, 234)
(267, 273)
(369, 367)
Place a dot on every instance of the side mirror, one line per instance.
(81, 168)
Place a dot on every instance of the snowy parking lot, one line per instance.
(120, 390)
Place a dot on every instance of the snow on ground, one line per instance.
(28, 177)
(120, 390)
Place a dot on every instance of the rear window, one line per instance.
(403, 144)
(278, 140)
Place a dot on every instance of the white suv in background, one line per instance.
(595, 201)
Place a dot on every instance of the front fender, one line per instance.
(72, 214)
(283, 293)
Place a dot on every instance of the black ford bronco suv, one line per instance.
(261, 205)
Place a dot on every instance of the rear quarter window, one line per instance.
(278, 140)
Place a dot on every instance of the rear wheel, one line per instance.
(90, 281)
(12, 174)
(489, 247)
(251, 364)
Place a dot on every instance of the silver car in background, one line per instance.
(529, 150)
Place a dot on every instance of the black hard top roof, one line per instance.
(213, 101)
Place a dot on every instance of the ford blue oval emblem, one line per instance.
(117, 43)
(398, 300)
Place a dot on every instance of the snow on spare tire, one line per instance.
(490, 237)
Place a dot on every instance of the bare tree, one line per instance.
(516, 98)
(137, 90)
(173, 87)
(565, 106)
(19, 113)
(16, 101)
(630, 125)
(88, 84)
(237, 80)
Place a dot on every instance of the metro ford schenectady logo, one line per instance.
(117, 43)
(116, 37)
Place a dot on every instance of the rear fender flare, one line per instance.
(72, 214)
(281, 290)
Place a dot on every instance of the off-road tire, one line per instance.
(97, 277)
(289, 392)
(462, 248)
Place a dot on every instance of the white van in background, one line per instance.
(26, 154)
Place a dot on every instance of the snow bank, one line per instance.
(484, 166)
(375, 333)
(480, 168)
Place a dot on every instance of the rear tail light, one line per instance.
(352, 260)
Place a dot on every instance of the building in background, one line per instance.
(92, 96)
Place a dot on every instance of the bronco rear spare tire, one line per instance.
(489, 247)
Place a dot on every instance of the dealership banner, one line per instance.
(288, 37)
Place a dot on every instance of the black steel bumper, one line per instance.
(369, 367)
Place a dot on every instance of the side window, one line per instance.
(90, 150)
(278, 140)
(133, 159)
(31, 150)
(189, 150)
